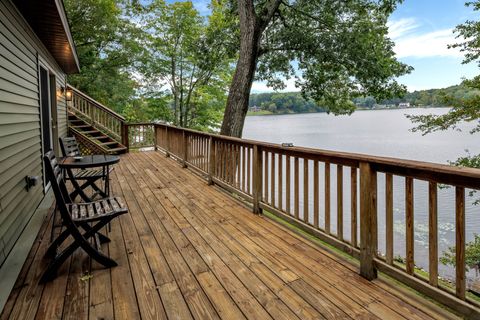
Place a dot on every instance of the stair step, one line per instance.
(90, 131)
(82, 126)
(109, 143)
(117, 149)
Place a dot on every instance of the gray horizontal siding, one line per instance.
(20, 135)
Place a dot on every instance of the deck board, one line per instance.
(187, 250)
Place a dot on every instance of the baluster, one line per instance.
(460, 242)
(257, 178)
(340, 202)
(244, 168)
(353, 199)
(265, 187)
(432, 234)
(287, 186)
(327, 197)
(296, 186)
(280, 181)
(272, 178)
(248, 170)
(316, 201)
(409, 225)
(305, 191)
(389, 217)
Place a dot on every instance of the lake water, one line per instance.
(384, 133)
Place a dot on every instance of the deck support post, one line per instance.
(211, 160)
(368, 221)
(257, 179)
(155, 144)
(167, 143)
(185, 149)
(125, 141)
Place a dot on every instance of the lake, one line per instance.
(384, 133)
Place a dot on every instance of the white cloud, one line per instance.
(401, 27)
(412, 42)
(261, 86)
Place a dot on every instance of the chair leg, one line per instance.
(89, 249)
(54, 215)
(103, 238)
(53, 266)
(52, 249)
(80, 240)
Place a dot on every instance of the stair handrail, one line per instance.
(100, 116)
(96, 103)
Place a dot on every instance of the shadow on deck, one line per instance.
(187, 250)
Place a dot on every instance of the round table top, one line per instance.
(96, 160)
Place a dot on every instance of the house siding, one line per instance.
(20, 135)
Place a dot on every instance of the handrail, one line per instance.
(96, 103)
(282, 179)
(98, 115)
(384, 164)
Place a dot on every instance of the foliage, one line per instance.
(336, 50)
(465, 108)
(187, 55)
(108, 46)
(472, 254)
(284, 102)
(341, 48)
(293, 102)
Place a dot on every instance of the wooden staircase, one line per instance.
(97, 128)
(93, 139)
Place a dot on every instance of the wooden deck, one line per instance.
(188, 250)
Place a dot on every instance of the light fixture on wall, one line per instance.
(68, 93)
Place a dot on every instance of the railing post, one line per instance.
(257, 179)
(155, 144)
(125, 141)
(211, 161)
(167, 143)
(185, 148)
(368, 220)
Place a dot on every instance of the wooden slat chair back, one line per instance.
(78, 216)
(69, 147)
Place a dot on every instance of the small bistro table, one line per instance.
(91, 161)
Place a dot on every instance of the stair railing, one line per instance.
(98, 115)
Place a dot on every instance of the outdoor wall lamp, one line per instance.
(68, 93)
(31, 181)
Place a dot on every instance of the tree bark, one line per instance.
(239, 94)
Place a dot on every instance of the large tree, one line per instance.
(336, 50)
(190, 59)
(464, 108)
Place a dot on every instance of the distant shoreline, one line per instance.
(269, 113)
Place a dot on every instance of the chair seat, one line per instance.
(96, 210)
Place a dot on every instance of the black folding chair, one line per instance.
(70, 148)
(78, 216)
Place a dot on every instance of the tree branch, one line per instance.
(268, 12)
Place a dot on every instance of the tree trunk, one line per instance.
(239, 94)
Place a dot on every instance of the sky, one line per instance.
(421, 30)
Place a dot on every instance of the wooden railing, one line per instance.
(297, 185)
(140, 135)
(101, 117)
